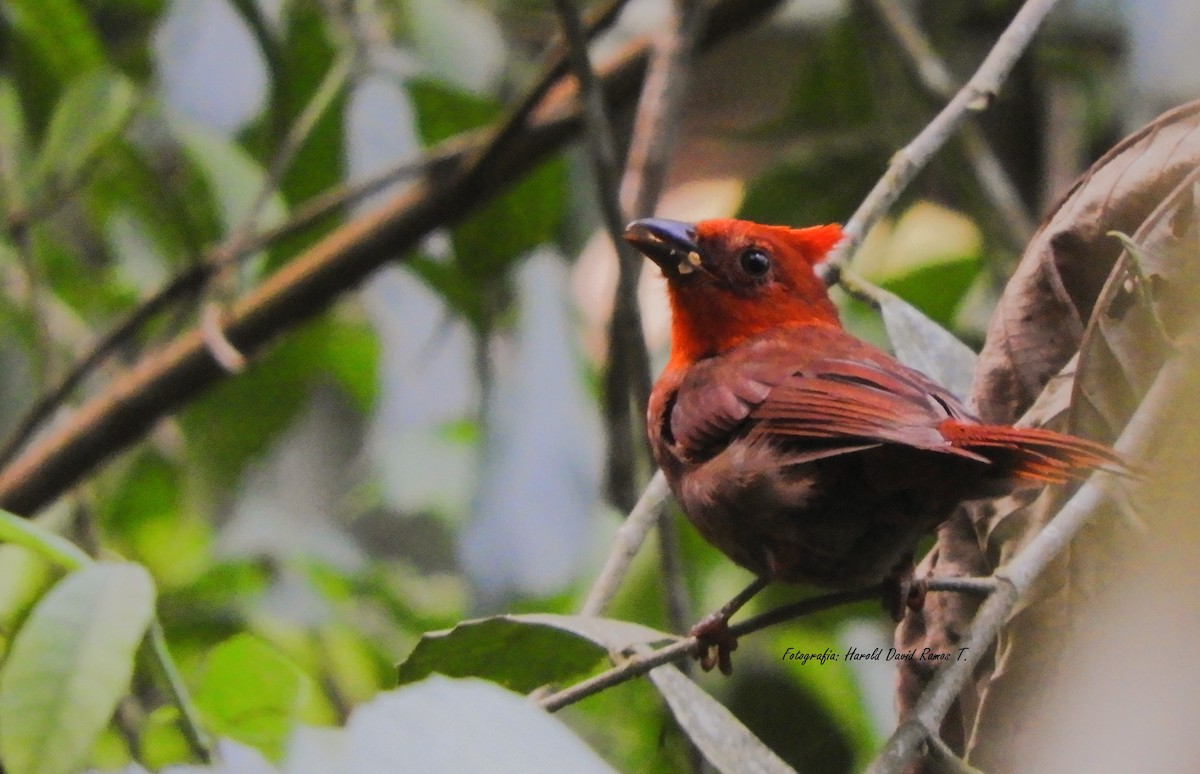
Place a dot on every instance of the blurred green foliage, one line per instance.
(107, 193)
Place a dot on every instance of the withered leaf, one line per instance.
(1145, 186)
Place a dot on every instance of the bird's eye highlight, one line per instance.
(756, 262)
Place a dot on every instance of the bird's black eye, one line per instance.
(756, 262)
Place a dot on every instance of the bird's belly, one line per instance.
(831, 523)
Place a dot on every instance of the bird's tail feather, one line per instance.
(1035, 454)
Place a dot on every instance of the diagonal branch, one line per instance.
(936, 79)
(163, 381)
(975, 96)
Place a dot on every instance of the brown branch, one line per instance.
(655, 130)
(682, 648)
(305, 287)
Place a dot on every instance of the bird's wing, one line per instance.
(855, 402)
(858, 401)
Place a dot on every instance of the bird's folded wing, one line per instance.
(838, 404)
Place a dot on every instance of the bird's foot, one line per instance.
(903, 590)
(714, 642)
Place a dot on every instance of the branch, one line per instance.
(655, 130)
(682, 648)
(625, 545)
(163, 381)
(975, 96)
(935, 77)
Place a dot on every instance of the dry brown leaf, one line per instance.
(1029, 361)
(1039, 323)
(1139, 330)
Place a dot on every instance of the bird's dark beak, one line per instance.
(669, 243)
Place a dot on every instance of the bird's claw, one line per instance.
(902, 590)
(714, 643)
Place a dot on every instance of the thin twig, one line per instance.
(191, 280)
(330, 86)
(655, 131)
(975, 96)
(189, 716)
(557, 64)
(936, 78)
(625, 545)
(682, 648)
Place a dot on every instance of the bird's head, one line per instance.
(729, 279)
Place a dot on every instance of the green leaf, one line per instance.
(23, 577)
(91, 113)
(938, 289)
(58, 33)
(253, 693)
(461, 725)
(799, 192)
(488, 241)
(443, 111)
(69, 665)
(14, 150)
(522, 652)
(457, 290)
(233, 177)
(350, 353)
(146, 513)
(922, 344)
(528, 214)
(725, 742)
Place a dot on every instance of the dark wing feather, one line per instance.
(856, 400)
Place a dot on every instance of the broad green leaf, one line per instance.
(725, 742)
(457, 290)
(799, 193)
(58, 33)
(522, 652)
(147, 514)
(460, 725)
(69, 665)
(14, 150)
(937, 290)
(922, 344)
(526, 215)
(443, 111)
(350, 354)
(92, 111)
(23, 577)
(252, 693)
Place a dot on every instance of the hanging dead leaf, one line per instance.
(1039, 323)
(1145, 186)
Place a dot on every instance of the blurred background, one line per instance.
(433, 448)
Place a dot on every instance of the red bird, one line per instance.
(801, 452)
